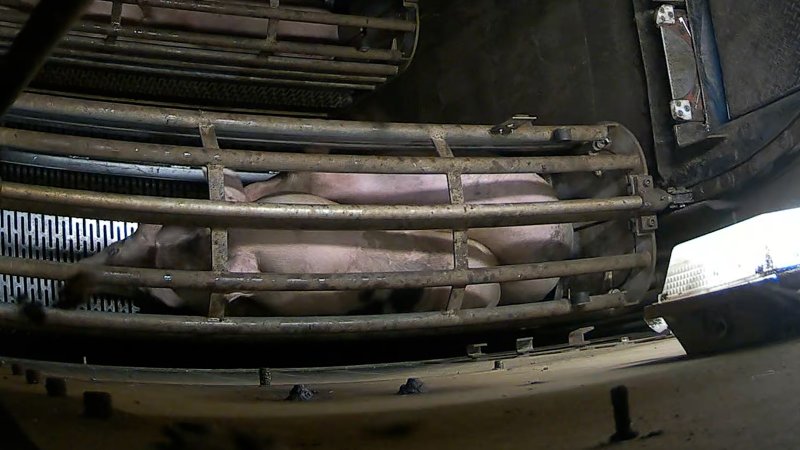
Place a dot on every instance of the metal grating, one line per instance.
(55, 238)
(67, 239)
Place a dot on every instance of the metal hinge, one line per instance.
(512, 124)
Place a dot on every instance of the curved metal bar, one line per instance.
(233, 282)
(298, 131)
(268, 12)
(125, 151)
(206, 213)
(159, 326)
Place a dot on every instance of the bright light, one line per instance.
(742, 253)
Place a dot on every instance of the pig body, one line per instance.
(511, 245)
(301, 251)
(356, 251)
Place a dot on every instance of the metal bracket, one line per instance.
(653, 198)
(680, 197)
(665, 15)
(475, 351)
(512, 124)
(577, 338)
(681, 110)
(116, 21)
(219, 237)
(524, 345)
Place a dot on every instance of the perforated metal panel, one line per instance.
(55, 238)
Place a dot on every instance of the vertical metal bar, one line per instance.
(219, 237)
(48, 22)
(272, 31)
(116, 22)
(460, 241)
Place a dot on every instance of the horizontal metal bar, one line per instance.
(235, 282)
(156, 172)
(98, 44)
(124, 151)
(254, 328)
(297, 131)
(90, 59)
(267, 12)
(190, 212)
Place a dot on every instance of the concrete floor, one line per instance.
(744, 399)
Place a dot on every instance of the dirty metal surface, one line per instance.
(552, 401)
(759, 50)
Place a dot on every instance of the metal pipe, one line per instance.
(299, 131)
(253, 328)
(48, 22)
(214, 214)
(124, 151)
(235, 282)
(268, 12)
(89, 59)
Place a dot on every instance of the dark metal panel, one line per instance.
(759, 48)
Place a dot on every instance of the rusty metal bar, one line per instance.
(89, 59)
(45, 27)
(280, 13)
(455, 190)
(235, 282)
(47, 200)
(299, 131)
(145, 33)
(219, 236)
(111, 31)
(254, 328)
(125, 151)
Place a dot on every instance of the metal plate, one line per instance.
(759, 46)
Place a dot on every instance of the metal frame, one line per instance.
(565, 149)
(170, 52)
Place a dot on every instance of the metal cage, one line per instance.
(598, 171)
(115, 56)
